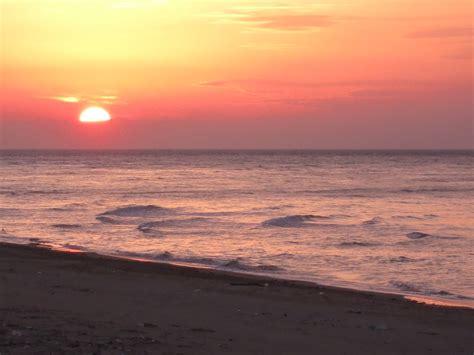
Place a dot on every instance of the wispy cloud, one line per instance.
(310, 93)
(213, 83)
(291, 22)
(67, 99)
(314, 84)
(91, 99)
(280, 17)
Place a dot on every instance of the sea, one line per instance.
(390, 221)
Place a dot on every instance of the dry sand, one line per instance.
(61, 303)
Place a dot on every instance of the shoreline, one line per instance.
(412, 297)
(191, 270)
(62, 302)
(421, 299)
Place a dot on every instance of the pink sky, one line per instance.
(237, 74)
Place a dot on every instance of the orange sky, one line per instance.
(314, 66)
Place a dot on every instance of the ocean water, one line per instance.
(400, 222)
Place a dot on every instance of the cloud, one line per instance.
(315, 94)
(442, 33)
(67, 99)
(291, 22)
(314, 84)
(91, 99)
(279, 17)
(213, 83)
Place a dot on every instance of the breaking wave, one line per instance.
(231, 264)
(412, 288)
(151, 256)
(74, 247)
(136, 211)
(37, 241)
(289, 221)
(239, 265)
(148, 227)
(172, 223)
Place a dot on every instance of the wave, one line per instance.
(430, 190)
(187, 222)
(365, 192)
(8, 192)
(279, 207)
(408, 217)
(324, 217)
(136, 211)
(334, 216)
(412, 288)
(402, 259)
(405, 286)
(289, 221)
(345, 192)
(218, 214)
(148, 227)
(38, 241)
(153, 256)
(375, 220)
(46, 192)
(68, 207)
(232, 264)
(417, 235)
(107, 220)
(418, 218)
(74, 247)
(239, 265)
(357, 244)
(66, 226)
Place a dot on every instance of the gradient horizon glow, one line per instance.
(237, 73)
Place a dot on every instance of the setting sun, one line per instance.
(94, 114)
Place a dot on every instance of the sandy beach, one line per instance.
(57, 302)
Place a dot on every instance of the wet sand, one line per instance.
(56, 303)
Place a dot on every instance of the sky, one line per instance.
(237, 74)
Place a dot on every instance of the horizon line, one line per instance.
(249, 149)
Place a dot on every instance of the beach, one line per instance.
(61, 302)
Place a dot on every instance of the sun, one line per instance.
(94, 114)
